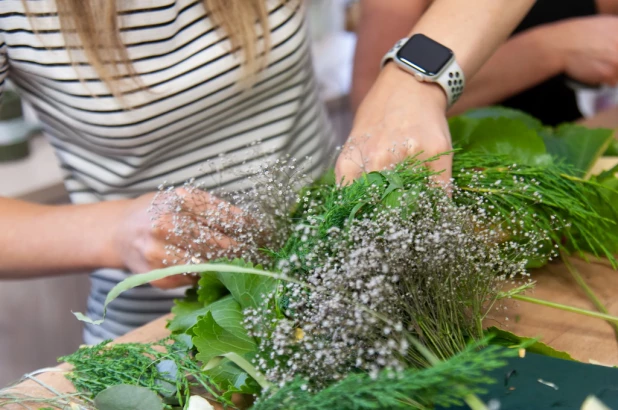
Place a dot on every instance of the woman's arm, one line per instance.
(400, 116)
(43, 240)
(40, 240)
(392, 20)
(524, 61)
(585, 48)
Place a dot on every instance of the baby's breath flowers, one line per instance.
(204, 225)
(387, 260)
(419, 266)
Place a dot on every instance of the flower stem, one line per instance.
(566, 308)
(589, 292)
(475, 403)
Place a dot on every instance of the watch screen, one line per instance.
(424, 54)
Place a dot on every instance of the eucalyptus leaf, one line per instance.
(127, 397)
(169, 370)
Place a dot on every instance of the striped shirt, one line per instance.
(195, 110)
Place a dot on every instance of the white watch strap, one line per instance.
(452, 79)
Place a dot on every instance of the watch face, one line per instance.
(424, 54)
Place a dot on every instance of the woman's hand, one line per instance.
(587, 48)
(399, 117)
(150, 238)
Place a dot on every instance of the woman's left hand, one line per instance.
(400, 117)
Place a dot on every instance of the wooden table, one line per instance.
(583, 337)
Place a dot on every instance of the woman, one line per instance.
(147, 91)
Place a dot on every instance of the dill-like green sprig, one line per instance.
(104, 365)
(447, 383)
(548, 199)
(332, 206)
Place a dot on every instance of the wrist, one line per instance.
(106, 225)
(552, 41)
(392, 79)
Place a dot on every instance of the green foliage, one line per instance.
(565, 207)
(186, 312)
(247, 290)
(577, 146)
(504, 144)
(102, 366)
(508, 138)
(447, 383)
(523, 139)
(212, 316)
(128, 397)
(508, 339)
(211, 339)
(333, 206)
(506, 157)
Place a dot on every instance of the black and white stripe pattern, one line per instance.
(196, 109)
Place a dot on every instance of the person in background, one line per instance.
(557, 43)
(137, 92)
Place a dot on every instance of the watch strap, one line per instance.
(451, 79)
(392, 53)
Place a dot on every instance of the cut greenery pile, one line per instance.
(377, 298)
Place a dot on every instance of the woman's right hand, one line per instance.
(587, 48)
(147, 239)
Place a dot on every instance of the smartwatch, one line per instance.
(429, 61)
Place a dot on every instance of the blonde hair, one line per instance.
(93, 26)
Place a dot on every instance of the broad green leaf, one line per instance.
(607, 205)
(210, 289)
(607, 176)
(503, 112)
(577, 146)
(144, 278)
(185, 313)
(242, 363)
(212, 340)
(461, 128)
(233, 379)
(248, 290)
(374, 178)
(127, 397)
(509, 138)
(227, 313)
(504, 338)
(393, 199)
(612, 149)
